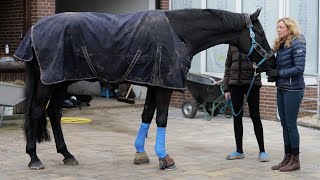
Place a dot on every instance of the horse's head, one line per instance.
(254, 43)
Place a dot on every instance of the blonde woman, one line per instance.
(290, 47)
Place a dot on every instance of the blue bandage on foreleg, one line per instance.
(139, 143)
(160, 146)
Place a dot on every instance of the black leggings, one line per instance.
(237, 97)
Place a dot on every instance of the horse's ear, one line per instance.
(255, 15)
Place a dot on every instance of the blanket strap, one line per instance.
(86, 55)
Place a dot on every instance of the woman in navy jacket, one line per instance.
(290, 48)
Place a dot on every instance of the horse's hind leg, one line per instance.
(141, 156)
(163, 102)
(36, 122)
(55, 114)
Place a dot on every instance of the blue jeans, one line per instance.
(288, 106)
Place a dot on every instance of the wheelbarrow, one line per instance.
(10, 95)
(207, 95)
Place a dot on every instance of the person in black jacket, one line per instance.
(237, 78)
(290, 62)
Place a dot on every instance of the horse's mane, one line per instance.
(230, 20)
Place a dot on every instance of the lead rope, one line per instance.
(229, 102)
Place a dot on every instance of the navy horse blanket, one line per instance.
(140, 48)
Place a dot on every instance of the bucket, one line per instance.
(8, 111)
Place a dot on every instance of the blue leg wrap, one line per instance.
(139, 143)
(160, 146)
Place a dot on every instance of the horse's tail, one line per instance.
(32, 128)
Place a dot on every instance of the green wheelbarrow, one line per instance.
(207, 96)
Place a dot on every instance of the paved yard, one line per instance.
(105, 149)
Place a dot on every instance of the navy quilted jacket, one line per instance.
(290, 65)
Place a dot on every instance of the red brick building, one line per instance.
(17, 16)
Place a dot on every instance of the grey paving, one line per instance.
(105, 148)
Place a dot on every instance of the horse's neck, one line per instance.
(202, 29)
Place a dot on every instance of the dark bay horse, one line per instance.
(156, 52)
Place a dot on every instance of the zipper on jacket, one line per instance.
(240, 64)
(290, 80)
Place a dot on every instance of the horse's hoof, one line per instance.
(35, 165)
(70, 161)
(167, 163)
(141, 158)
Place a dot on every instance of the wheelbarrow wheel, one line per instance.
(209, 109)
(189, 108)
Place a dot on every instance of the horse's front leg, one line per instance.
(54, 112)
(141, 156)
(163, 102)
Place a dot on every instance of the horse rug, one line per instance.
(140, 48)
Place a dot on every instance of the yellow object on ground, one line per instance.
(75, 120)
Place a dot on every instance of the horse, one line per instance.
(156, 52)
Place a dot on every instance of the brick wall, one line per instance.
(309, 92)
(41, 8)
(11, 23)
(268, 107)
(12, 19)
(164, 4)
(268, 103)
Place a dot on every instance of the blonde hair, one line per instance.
(293, 33)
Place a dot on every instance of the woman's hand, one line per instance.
(272, 75)
(227, 95)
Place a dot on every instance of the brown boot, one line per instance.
(285, 161)
(294, 164)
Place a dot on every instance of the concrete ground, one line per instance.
(105, 148)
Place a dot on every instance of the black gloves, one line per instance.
(272, 75)
(271, 79)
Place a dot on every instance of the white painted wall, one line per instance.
(107, 6)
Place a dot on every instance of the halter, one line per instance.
(255, 45)
(265, 55)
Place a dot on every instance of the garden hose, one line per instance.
(75, 120)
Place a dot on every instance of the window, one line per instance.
(216, 56)
(183, 4)
(268, 16)
(305, 13)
